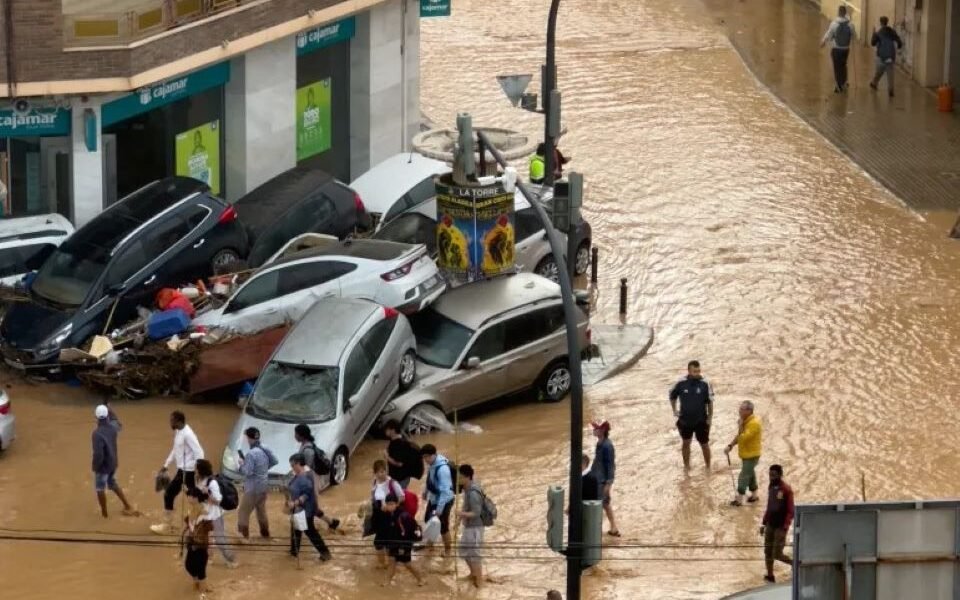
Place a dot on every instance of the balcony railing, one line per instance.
(112, 22)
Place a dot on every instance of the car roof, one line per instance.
(475, 303)
(265, 205)
(28, 227)
(332, 320)
(388, 181)
(354, 248)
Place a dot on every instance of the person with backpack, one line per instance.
(105, 462)
(303, 497)
(210, 492)
(439, 492)
(402, 455)
(184, 454)
(841, 34)
(475, 516)
(887, 42)
(317, 464)
(383, 485)
(403, 531)
(255, 467)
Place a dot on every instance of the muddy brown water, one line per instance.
(749, 243)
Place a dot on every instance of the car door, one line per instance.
(191, 257)
(357, 383)
(252, 305)
(534, 339)
(486, 380)
(302, 284)
(386, 366)
(530, 237)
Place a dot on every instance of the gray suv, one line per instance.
(484, 340)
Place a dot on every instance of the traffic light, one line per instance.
(555, 504)
(567, 200)
(592, 532)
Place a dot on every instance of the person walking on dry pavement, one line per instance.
(255, 467)
(776, 521)
(604, 467)
(402, 456)
(185, 453)
(303, 497)
(471, 537)
(438, 492)
(887, 42)
(696, 411)
(747, 441)
(841, 34)
(210, 494)
(105, 462)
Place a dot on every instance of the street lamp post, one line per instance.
(549, 87)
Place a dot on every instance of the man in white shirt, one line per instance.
(186, 450)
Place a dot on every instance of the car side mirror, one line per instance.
(471, 363)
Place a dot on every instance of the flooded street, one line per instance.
(748, 242)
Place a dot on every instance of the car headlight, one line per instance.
(229, 459)
(53, 342)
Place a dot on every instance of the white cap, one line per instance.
(102, 412)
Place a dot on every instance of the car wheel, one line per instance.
(408, 370)
(583, 258)
(424, 418)
(555, 383)
(340, 467)
(223, 258)
(548, 268)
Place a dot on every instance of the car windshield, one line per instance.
(295, 394)
(67, 276)
(440, 341)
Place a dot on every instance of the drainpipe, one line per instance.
(403, 76)
(9, 48)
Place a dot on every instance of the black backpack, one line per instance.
(843, 35)
(321, 464)
(230, 499)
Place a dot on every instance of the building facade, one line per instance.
(930, 30)
(232, 92)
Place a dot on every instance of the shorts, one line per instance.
(104, 481)
(471, 542)
(400, 551)
(444, 516)
(606, 495)
(701, 430)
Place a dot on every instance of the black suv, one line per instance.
(300, 200)
(169, 232)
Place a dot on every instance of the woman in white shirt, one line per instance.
(211, 496)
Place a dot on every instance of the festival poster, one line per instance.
(475, 232)
(314, 119)
(198, 154)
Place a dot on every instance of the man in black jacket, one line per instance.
(887, 43)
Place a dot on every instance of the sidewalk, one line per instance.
(621, 346)
(903, 142)
(770, 592)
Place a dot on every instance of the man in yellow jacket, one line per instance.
(747, 441)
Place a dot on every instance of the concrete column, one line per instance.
(384, 83)
(260, 107)
(86, 167)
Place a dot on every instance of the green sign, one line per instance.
(198, 154)
(314, 119)
(35, 123)
(328, 35)
(435, 8)
(163, 93)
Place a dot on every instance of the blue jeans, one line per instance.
(104, 481)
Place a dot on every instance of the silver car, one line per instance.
(7, 420)
(484, 340)
(335, 371)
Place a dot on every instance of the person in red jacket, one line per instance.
(776, 521)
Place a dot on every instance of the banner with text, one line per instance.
(314, 119)
(198, 154)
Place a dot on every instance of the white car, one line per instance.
(400, 276)
(26, 241)
(398, 184)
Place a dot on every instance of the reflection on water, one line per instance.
(749, 243)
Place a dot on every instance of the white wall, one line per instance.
(86, 168)
(260, 107)
(384, 83)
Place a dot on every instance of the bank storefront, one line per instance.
(174, 127)
(35, 161)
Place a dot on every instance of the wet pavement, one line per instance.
(749, 242)
(621, 346)
(904, 142)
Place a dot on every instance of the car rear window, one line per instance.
(412, 228)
